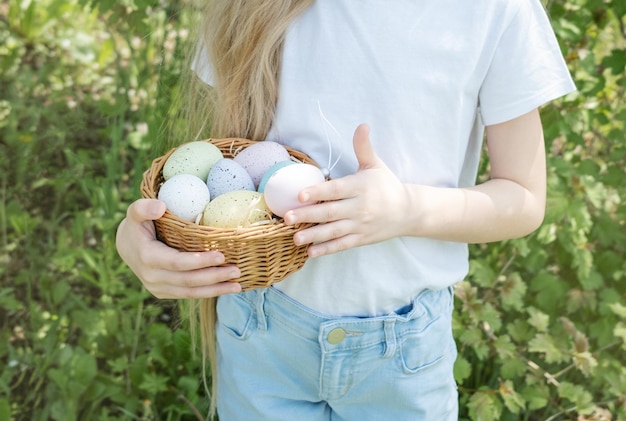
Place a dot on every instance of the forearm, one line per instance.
(496, 210)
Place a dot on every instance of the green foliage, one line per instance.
(82, 94)
(540, 322)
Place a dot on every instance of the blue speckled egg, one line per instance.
(226, 175)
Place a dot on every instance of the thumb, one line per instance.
(365, 154)
(146, 210)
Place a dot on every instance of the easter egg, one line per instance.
(226, 175)
(258, 157)
(282, 188)
(270, 171)
(240, 208)
(185, 196)
(195, 158)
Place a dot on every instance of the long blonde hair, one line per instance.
(243, 40)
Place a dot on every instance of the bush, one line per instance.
(540, 321)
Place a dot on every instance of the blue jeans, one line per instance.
(278, 360)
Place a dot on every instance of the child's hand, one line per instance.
(164, 271)
(363, 208)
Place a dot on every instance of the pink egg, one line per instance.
(258, 157)
(282, 188)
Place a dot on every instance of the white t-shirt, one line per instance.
(426, 76)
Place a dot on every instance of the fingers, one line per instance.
(203, 283)
(164, 271)
(363, 150)
(324, 232)
(145, 210)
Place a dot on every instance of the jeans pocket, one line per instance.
(425, 347)
(235, 315)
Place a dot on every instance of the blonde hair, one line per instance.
(243, 40)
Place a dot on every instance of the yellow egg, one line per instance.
(240, 208)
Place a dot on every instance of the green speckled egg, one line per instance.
(195, 158)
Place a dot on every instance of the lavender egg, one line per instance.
(258, 157)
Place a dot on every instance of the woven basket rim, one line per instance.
(154, 171)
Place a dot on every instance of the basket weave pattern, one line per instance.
(265, 254)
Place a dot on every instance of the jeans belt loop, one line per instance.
(260, 310)
(390, 337)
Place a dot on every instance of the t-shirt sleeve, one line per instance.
(201, 66)
(527, 69)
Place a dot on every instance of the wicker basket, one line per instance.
(265, 254)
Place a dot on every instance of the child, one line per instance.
(363, 330)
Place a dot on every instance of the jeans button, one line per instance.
(335, 336)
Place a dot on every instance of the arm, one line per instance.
(372, 205)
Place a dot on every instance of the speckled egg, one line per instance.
(258, 157)
(282, 188)
(185, 196)
(241, 208)
(270, 172)
(195, 158)
(226, 175)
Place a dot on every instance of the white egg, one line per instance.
(282, 188)
(185, 196)
(270, 172)
(258, 157)
(241, 208)
(226, 175)
(195, 158)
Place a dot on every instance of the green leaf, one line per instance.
(472, 336)
(577, 395)
(549, 289)
(490, 315)
(538, 319)
(512, 292)
(154, 383)
(85, 368)
(512, 368)
(520, 330)
(484, 406)
(482, 273)
(462, 369)
(513, 401)
(585, 362)
(620, 332)
(618, 309)
(536, 396)
(544, 344)
(616, 62)
(5, 409)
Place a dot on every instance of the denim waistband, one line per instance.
(344, 333)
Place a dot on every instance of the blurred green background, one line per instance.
(85, 87)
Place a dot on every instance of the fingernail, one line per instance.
(157, 209)
(290, 218)
(312, 252)
(219, 259)
(304, 197)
